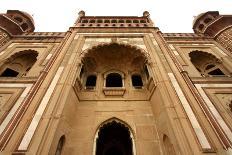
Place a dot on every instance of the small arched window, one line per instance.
(91, 82)
(114, 80)
(207, 20)
(137, 81)
(24, 26)
(207, 64)
(200, 27)
(60, 145)
(19, 19)
(9, 73)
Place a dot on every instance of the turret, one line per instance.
(214, 25)
(16, 22)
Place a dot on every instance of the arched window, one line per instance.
(207, 64)
(114, 80)
(137, 81)
(207, 20)
(60, 145)
(24, 26)
(91, 82)
(18, 64)
(114, 139)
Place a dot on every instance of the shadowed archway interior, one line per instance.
(114, 139)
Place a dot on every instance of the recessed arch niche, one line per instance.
(207, 64)
(18, 64)
(114, 137)
(105, 57)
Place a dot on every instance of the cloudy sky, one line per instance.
(169, 15)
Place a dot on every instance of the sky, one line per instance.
(171, 16)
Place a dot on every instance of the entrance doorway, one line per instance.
(114, 139)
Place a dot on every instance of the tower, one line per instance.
(115, 85)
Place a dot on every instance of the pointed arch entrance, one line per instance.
(114, 138)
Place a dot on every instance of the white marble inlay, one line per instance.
(2, 53)
(192, 118)
(218, 49)
(11, 45)
(48, 56)
(142, 46)
(76, 37)
(85, 46)
(39, 112)
(208, 44)
(172, 47)
(154, 41)
(212, 108)
(17, 104)
(111, 33)
(195, 44)
(175, 52)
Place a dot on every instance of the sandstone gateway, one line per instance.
(115, 85)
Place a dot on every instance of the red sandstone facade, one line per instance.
(115, 85)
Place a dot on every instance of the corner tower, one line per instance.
(14, 22)
(215, 25)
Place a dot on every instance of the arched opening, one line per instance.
(19, 19)
(24, 26)
(60, 145)
(207, 64)
(91, 82)
(9, 73)
(18, 64)
(137, 81)
(113, 80)
(109, 60)
(114, 139)
(200, 27)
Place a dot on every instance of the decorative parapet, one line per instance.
(114, 21)
(114, 91)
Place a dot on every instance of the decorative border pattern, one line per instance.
(212, 108)
(17, 104)
(190, 114)
(39, 112)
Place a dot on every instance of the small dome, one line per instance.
(26, 17)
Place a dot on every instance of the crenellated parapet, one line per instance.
(114, 21)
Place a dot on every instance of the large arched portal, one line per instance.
(123, 58)
(114, 138)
